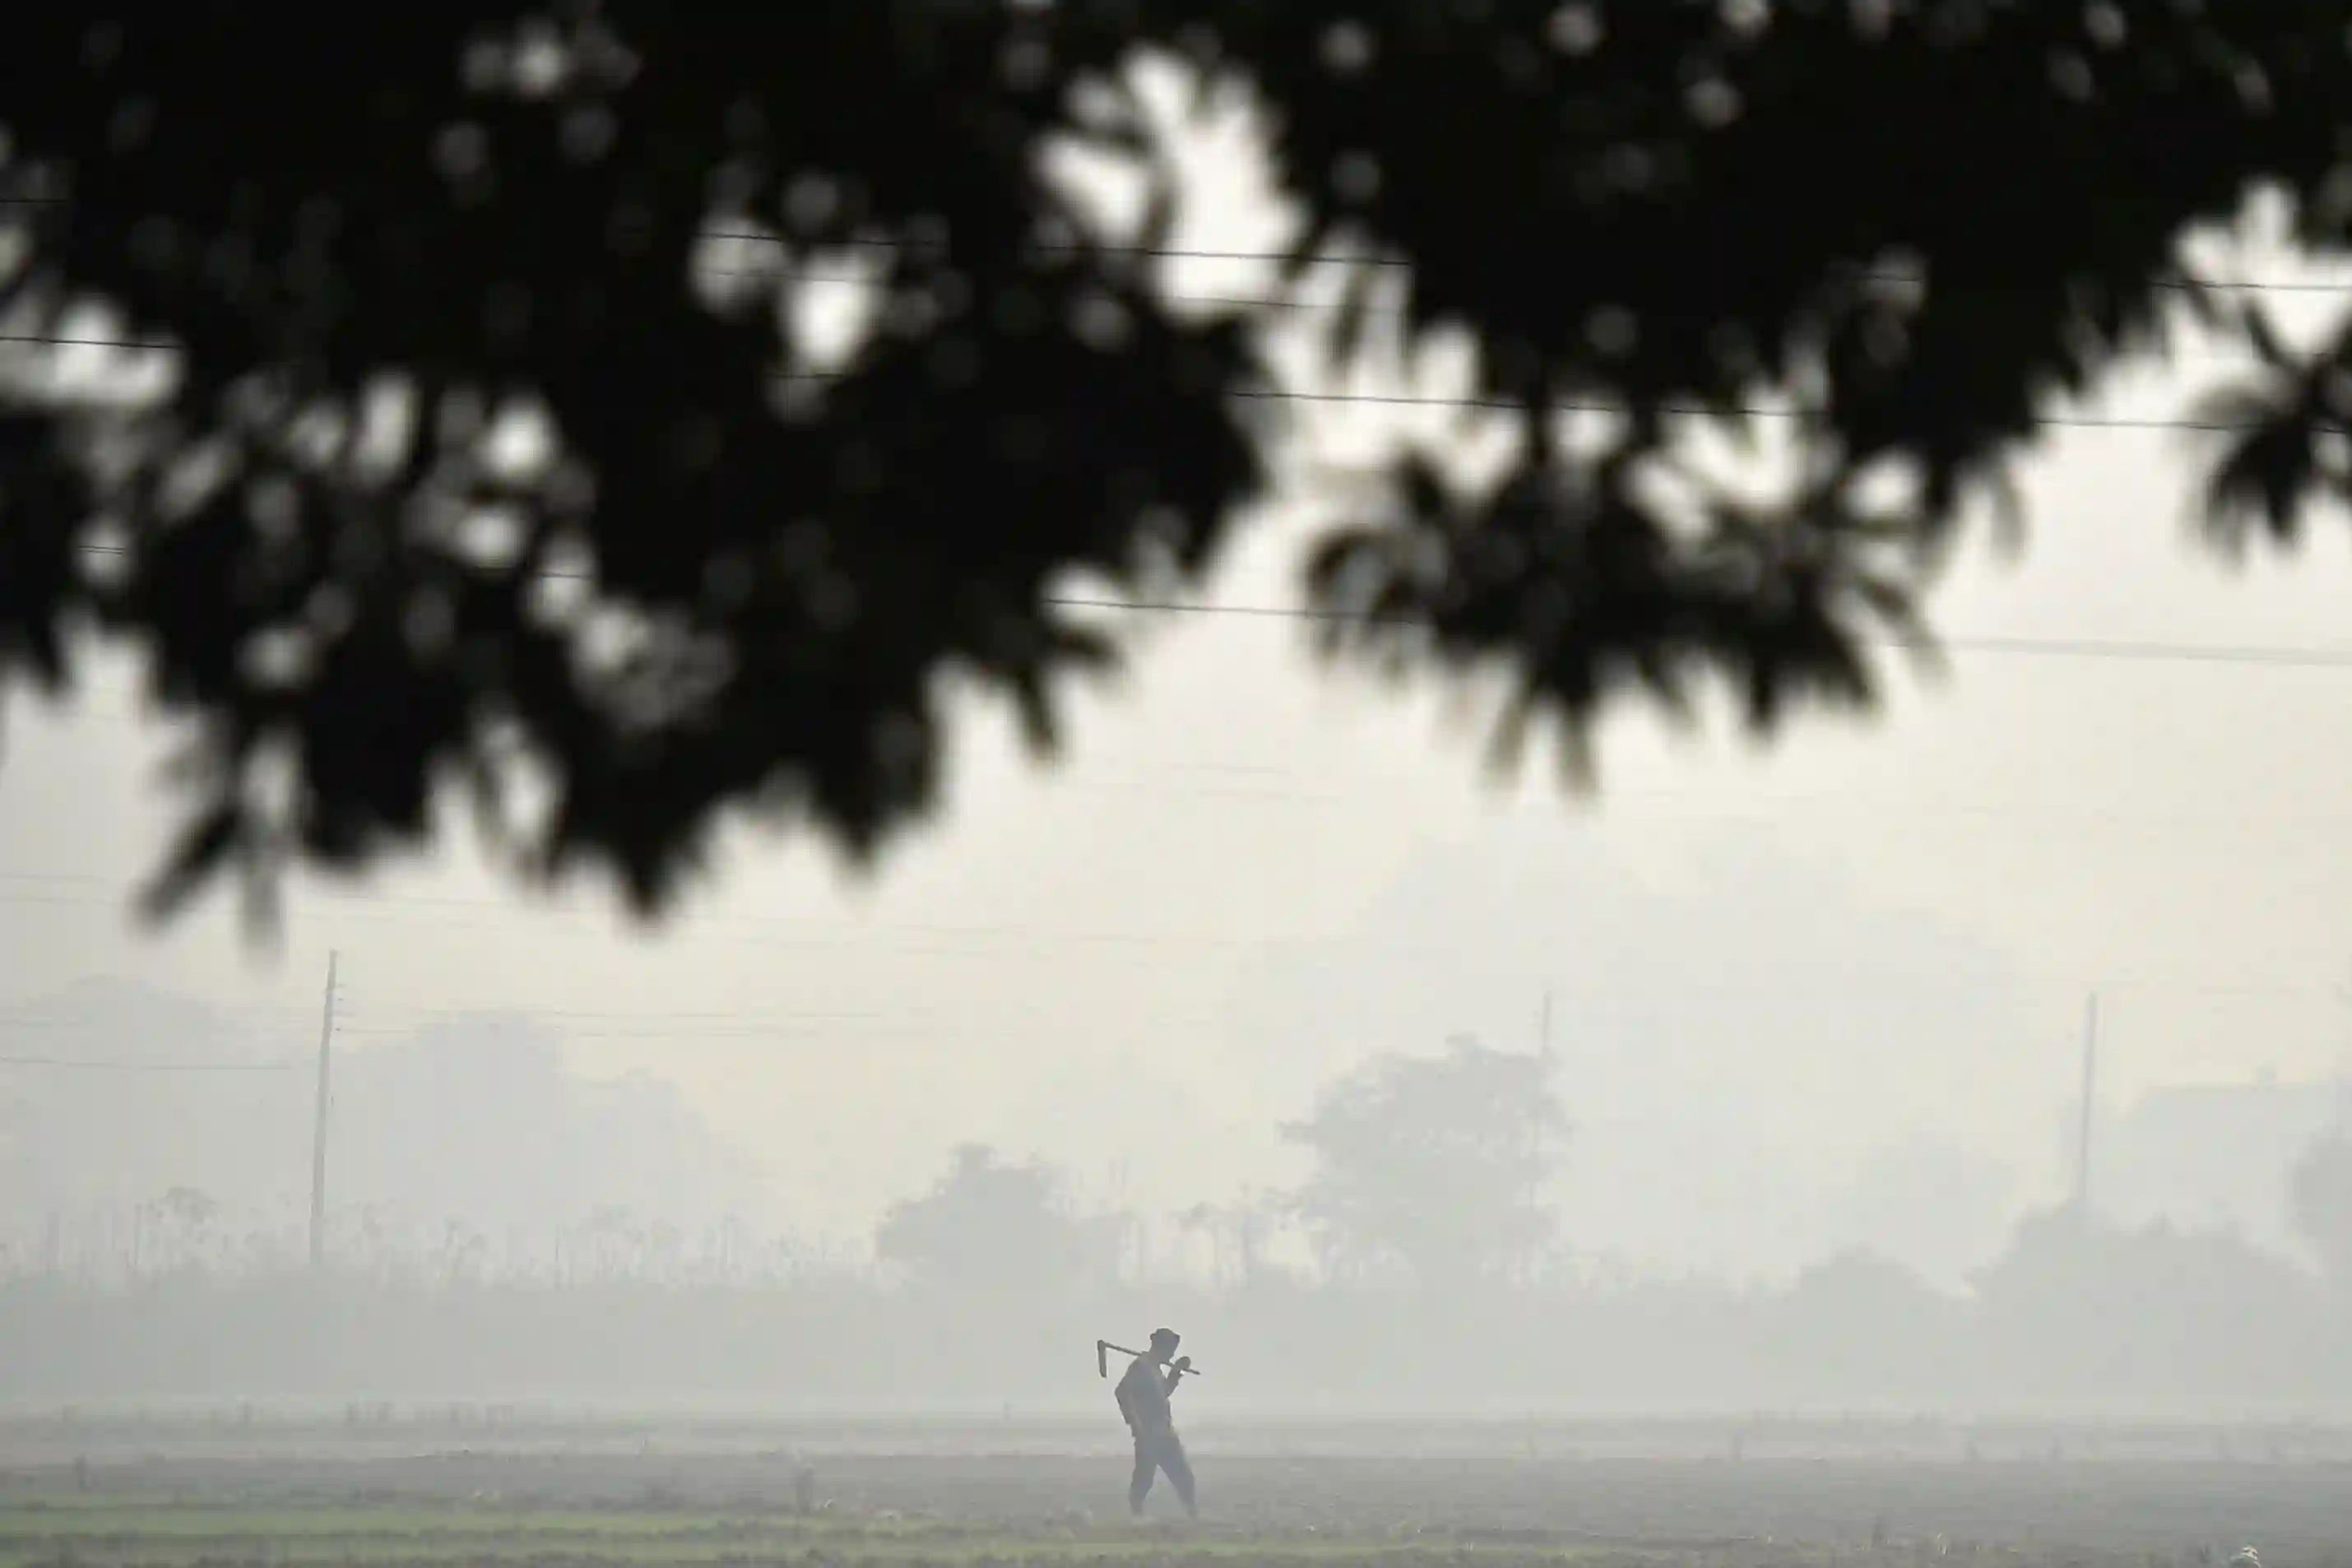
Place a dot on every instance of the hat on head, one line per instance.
(1168, 1337)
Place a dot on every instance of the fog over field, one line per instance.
(1922, 1131)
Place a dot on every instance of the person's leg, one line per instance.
(1179, 1471)
(1147, 1461)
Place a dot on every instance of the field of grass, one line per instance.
(96, 1531)
(975, 1499)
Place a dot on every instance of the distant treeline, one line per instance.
(2075, 1316)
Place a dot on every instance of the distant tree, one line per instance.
(2083, 1304)
(1862, 1316)
(190, 1208)
(615, 1238)
(522, 1138)
(480, 456)
(989, 1224)
(2319, 1202)
(1236, 1234)
(459, 1251)
(1929, 1205)
(183, 1217)
(1438, 1163)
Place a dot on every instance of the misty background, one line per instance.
(505, 1227)
(1811, 1023)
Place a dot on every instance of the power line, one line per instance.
(51, 340)
(72, 1025)
(72, 1063)
(1694, 409)
(1405, 264)
(1369, 261)
(2022, 647)
(2127, 651)
(992, 944)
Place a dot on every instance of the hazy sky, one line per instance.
(1769, 967)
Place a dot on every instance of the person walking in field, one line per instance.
(1144, 1400)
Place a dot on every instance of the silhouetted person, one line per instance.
(1144, 1400)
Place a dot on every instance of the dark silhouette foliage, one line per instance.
(457, 478)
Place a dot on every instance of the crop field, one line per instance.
(997, 1497)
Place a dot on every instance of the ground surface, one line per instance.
(993, 1497)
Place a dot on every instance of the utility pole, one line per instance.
(1531, 1194)
(2089, 1098)
(319, 1125)
(2344, 1070)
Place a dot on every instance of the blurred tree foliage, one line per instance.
(459, 472)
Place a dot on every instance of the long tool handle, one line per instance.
(1102, 1359)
